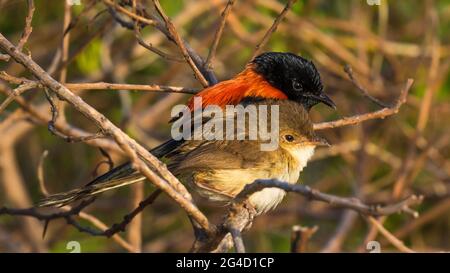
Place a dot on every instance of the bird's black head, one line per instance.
(297, 77)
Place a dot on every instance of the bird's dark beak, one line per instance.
(318, 141)
(326, 100)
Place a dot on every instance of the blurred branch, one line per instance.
(218, 35)
(138, 154)
(241, 212)
(273, 28)
(17, 92)
(382, 113)
(179, 42)
(300, 237)
(389, 236)
(348, 69)
(126, 86)
(27, 29)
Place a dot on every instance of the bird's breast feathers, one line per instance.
(222, 185)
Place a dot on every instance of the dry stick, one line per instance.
(180, 43)
(350, 203)
(149, 46)
(161, 26)
(52, 122)
(389, 236)
(28, 29)
(382, 113)
(64, 55)
(273, 28)
(123, 10)
(139, 155)
(153, 49)
(17, 92)
(126, 86)
(300, 237)
(40, 174)
(218, 35)
(92, 219)
(240, 214)
(348, 69)
(37, 115)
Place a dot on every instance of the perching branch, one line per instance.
(138, 154)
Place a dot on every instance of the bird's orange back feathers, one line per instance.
(231, 92)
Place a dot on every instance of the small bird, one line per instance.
(219, 169)
(271, 75)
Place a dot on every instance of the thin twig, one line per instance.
(349, 203)
(300, 237)
(27, 29)
(382, 113)
(273, 28)
(140, 156)
(126, 86)
(123, 10)
(17, 92)
(348, 69)
(40, 174)
(52, 128)
(176, 37)
(218, 35)
(389, 236)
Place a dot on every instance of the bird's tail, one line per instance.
(120, 176)
(65, 198)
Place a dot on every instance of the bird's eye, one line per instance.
(289, 138)
(297, 86)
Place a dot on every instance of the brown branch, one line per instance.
(128, 13)
(348, 69)
(349, 203)
(153, 49)
(300, 237)
(39, 116)
(380, 114)
(34, 212)
(17, 92)
(28, 29)
(40, 174)
(389, 236)
(126, 86)
(56, 132)
(139, 155)
(180, 43)
(273, 28)
(218, 35)
(127, 218)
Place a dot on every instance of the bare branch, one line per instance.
(382, 113)
(300, 237)
(130, 14)
(349, 203)
(259, 47)
(389, 236)
(176, 37)
(126, 86)
(218, 35)
(139, 155)
(17, 92)
(40, 174)
(348, 69)
(28, 29)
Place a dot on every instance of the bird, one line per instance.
(218, 170)
(270, 75)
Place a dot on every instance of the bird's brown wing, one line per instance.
(224, 166)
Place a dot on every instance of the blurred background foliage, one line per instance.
(384, 44)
